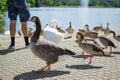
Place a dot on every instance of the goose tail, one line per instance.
(69, 52)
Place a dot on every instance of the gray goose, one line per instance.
(46, 50)
(107, 43)
(116, 37)
(88, 48)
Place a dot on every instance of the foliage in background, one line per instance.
(99, 3)
(3, 8)
(105, 3)
(92, 3)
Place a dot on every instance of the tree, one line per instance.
(3, 8)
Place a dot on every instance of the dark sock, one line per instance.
(12, 41)
(26, 41)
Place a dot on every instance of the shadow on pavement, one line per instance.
(6, 51)
(116, 53)
(79, 56)
(84, 67)
(46, 74)
(82, 56)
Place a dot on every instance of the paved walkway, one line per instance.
(18, 64)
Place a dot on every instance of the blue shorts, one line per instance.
(21, 10)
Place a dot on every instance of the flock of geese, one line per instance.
(50, 51)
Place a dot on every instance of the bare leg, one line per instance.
(24, 29)
(42, 69)
(12, 28)
(12, 33)
(25, 33)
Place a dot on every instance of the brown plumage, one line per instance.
(98, 28)
(88, 48)
(107, 30)
(70, 30)
(107, 43)
(116, 37)
(46, 50)
(89, 35)
(60, 30)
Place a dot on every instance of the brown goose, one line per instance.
(107, 43)
(69, 29)
(107, 30)
(46, 50)
(89, 35)
(116, 37)
(88, 48)
(98, 28)
(60, 30)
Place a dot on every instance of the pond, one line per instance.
(78, 16)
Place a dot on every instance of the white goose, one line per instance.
(52, 34)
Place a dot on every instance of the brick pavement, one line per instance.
(18, 64)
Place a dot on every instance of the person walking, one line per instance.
(15, 8)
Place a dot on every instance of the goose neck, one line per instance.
(36, 34)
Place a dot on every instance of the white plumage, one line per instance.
(52, 34)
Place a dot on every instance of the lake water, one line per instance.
(78, 16)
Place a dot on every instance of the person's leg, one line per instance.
(12, 14)
(12, 33)
(25, 32)
(24, 17)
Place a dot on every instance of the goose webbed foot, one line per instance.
(110, 50)
(46, 68)
(90, 56)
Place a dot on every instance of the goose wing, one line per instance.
(106, 42)
(50, 48)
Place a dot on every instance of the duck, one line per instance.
(107, 43)
(52, 34)
(115, 37)
(89, 35)
(70, 30)
(46, 50)
(87, 47)
(107, 30)
(98, 28)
